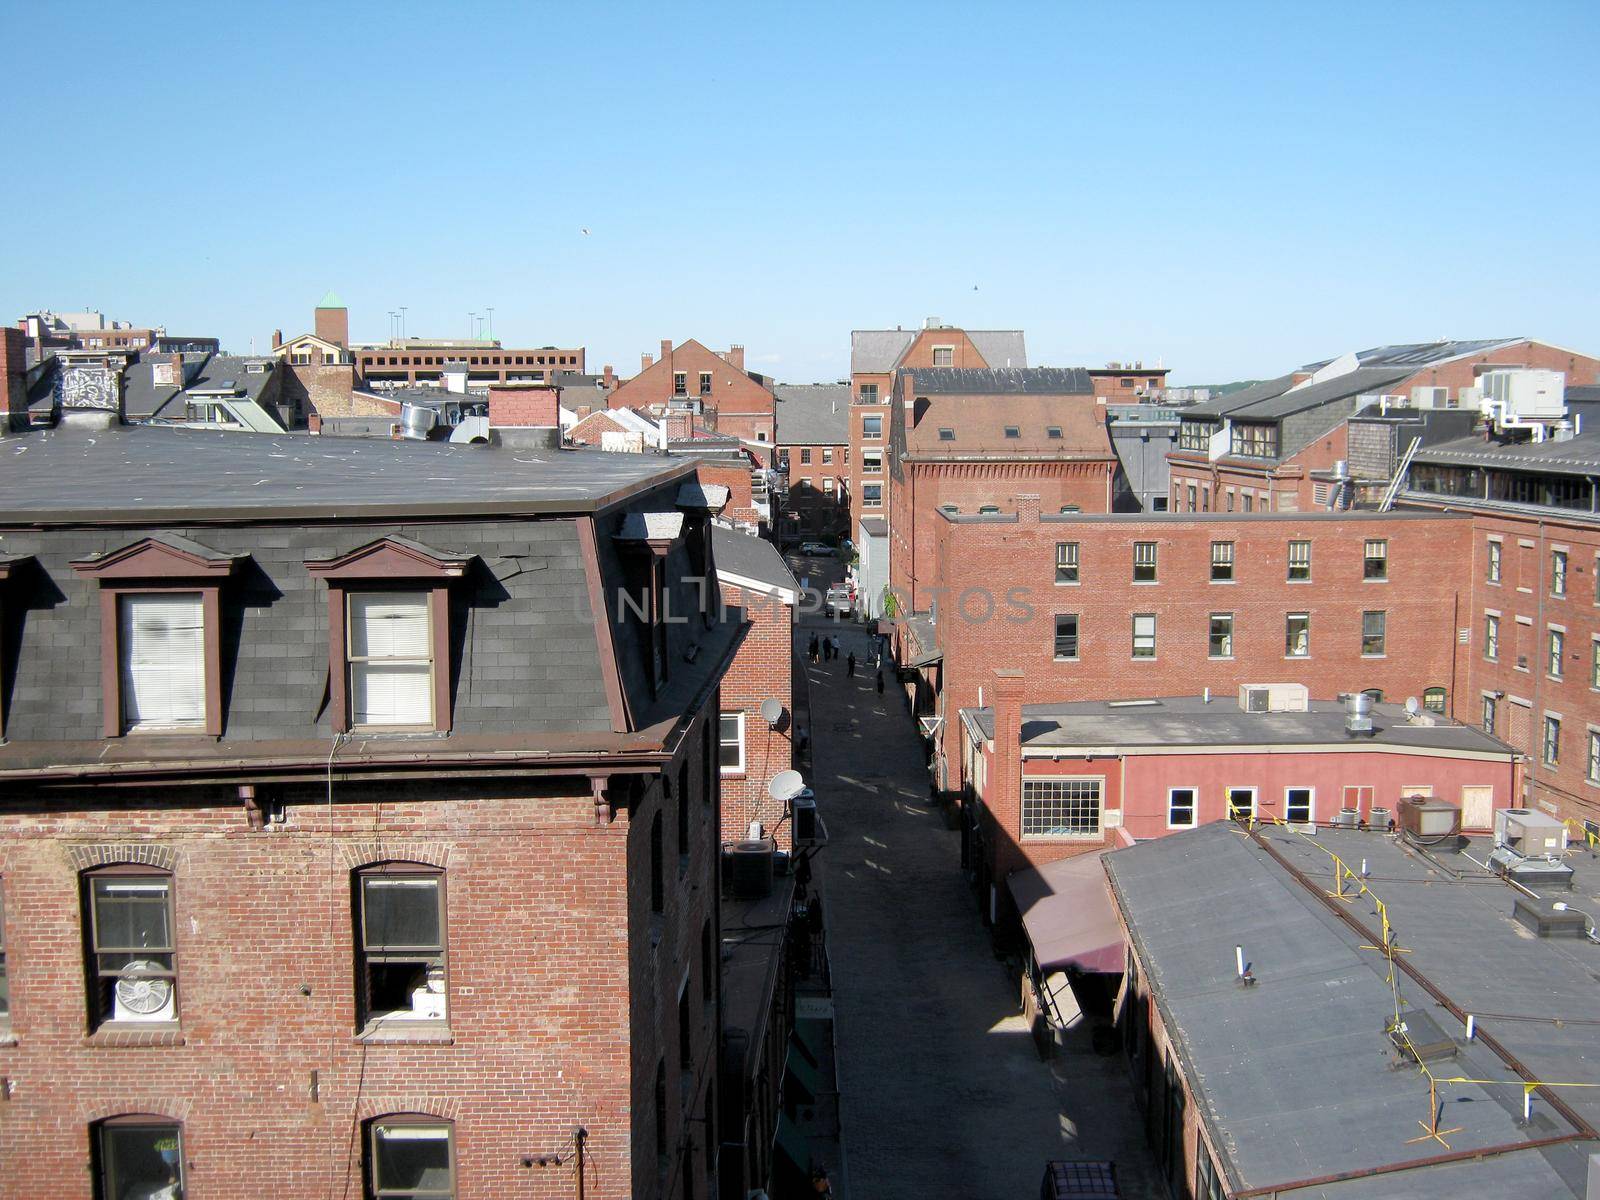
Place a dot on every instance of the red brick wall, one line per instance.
(13, 371)
(741, 507)
(332, 325)
(558, 993)
(1283, 487)
(1528, 611)
(589, 430)
(1426, 598)
(514, 406)
(763, 669)
(1579, 368)
(737, 406)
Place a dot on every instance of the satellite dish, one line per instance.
(786, 784)
(1412, 707)
(772, 711)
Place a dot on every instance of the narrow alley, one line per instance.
(943, 1092)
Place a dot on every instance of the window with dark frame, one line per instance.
(869, 393)
(1221, 635)
(1558, 572)
(1299, 561)
(1066, 644)
(1558, 646)
(947, 434)
(680, 383)
(705, 383)
(400, 947)
(1063, 807)
(1296, 635)
(1552, 741)
(1013, 431)
(1375, 559)
(1052, 431)
(411, 1158)
(1490, 707)
(1373, 628)
(137, 1156)
(1221, 561)
(1144, 562)
(133, 963)
(1066, 562)
(1491, 636)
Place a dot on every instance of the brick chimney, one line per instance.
(13, 380)
(646, 361)
(277, 338)
(608, 377)
(1004, 794)
(332, 321)
(735, 357)
(1028, 509)
(666, 349)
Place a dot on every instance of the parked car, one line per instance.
(817, 550)
(840, 601)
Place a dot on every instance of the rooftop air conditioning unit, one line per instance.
(1273, 697)
(1430, 397)
(140, 997)
(1427, 822)
(1253, 699)
(750, 868)
(1531, 834)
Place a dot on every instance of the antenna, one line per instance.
(786, 785)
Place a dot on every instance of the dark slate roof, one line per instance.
(1416, 355)
(812, 414)
(752, 557)
(142, 396)
(149, 473)
(980, 381)
(1292, 1076)
(1574, 456)
(1221, 406)
(1330, 391)
(879, 350)
(1191, 721)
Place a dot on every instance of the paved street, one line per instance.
(943, 1092)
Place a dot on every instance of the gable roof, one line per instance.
(743, 556)
(816, 414)
(1313, 395)
(1221, 406)
(879, 351)
(331, 300)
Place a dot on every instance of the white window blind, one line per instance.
(163, 660)
(390, 654)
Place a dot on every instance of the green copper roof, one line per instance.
(331, 300)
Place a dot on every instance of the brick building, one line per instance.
(757, 584)
(875, 356)
(962, 440)
(319, 371)
(407, 362)
(367, 838)
(1056, 780)
(1107, 607)
(813, 444)
(1531, 615)
(1264, 446)
(722, 396)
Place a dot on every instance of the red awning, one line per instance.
(1066, 909)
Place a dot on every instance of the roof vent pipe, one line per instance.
(1357, 713)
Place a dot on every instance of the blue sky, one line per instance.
(1231, 189)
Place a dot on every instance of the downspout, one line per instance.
(1455, 644)
(1536, 733)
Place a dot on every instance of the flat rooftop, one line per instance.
(1295, 1078)
(146, 473)
(1192, 721)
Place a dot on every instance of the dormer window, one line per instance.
(389, 635)
(161, 635)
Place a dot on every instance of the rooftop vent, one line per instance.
(1418, 1037)
(1358, 713)
(1549, 918)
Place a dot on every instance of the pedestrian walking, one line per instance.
(835, 640)
(880, 681)
(811, 648)
(850, 664)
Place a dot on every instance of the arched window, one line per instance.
(411, 1156)
(131, 960)
(137, 1156)
(400, 943)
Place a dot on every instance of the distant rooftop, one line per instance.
(149, 473)
(1192, 721)
(812, 414)
(976, 381)
(877, 351)
(1417, 355)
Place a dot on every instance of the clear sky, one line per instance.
(1231, 189)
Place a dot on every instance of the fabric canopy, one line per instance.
(1066, 909)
